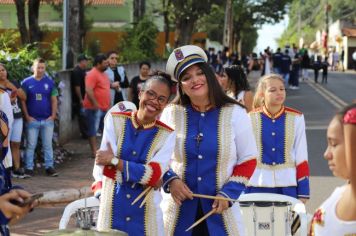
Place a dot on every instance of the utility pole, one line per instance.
(327, 9)
(299, 19)
(227, 39)
(65, 34)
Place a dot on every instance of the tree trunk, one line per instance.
(33, 11)
(21, 19)
(228, 24)
(184, 31)
(139, 9)
(166, 21)
(82, 29)
(74, 26)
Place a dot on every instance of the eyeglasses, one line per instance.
(152, 95)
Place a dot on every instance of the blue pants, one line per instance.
(45, 129)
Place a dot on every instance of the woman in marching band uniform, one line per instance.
(337, 214)
(214, 154)
(134, 154)
(282, 163)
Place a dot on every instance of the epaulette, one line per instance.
(160, 124)
(122, 113)
(292, 110)
(256, 110)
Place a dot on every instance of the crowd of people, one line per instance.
(195, 130)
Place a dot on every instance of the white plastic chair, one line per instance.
(296, 205)
(72, 207)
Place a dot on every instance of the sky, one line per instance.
(268, 34)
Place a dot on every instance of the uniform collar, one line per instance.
(275, 116)
(138, 125)
(206, 108)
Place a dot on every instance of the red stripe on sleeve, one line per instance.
(245, 169)
(302, 170)
(156, 173)
(109, 171)
(96, 186)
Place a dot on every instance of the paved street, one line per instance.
(317, 102)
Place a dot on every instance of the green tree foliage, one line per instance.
(213, 23)
(186, 15)
(140, 42)
(248, 15)
(312, 15)
(18, 59)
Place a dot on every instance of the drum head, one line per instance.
(80, 232)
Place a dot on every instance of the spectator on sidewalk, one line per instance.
(16, 93)
(6, 108)
(137, 82)
(97, 98)
(324, 68)
(305, 65)
(286, 62)
(294, 74)
(118, 79)
(276, 61)
(40, 111)
(316, 68)
(78, 92)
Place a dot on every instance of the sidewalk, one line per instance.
(74, 172)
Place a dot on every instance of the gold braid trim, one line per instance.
(106, 204)
(180, 123)
(224, 137)
(150, 224)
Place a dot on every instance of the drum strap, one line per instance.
(296, 222)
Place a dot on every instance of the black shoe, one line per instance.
(51, 172)
(29, 173)
(19, 173)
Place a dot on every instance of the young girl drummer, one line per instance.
(282, 163)
(337, 215)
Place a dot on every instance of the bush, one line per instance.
(140, 42)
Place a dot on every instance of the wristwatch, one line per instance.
(114, 161)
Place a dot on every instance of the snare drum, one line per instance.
(267, 218)
(86, 217)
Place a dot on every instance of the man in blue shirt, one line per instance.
(285, 67)
(40, 111)
(277, 61)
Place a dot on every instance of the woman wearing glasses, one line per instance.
(214, 154)
(134, 154)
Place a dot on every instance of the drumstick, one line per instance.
(214, 197)
(146, 198)
(201, 219)
(141, 195)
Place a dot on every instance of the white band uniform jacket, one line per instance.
(282, 145)
(215, 153)
(145, 153)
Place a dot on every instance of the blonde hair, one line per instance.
(258, 99)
